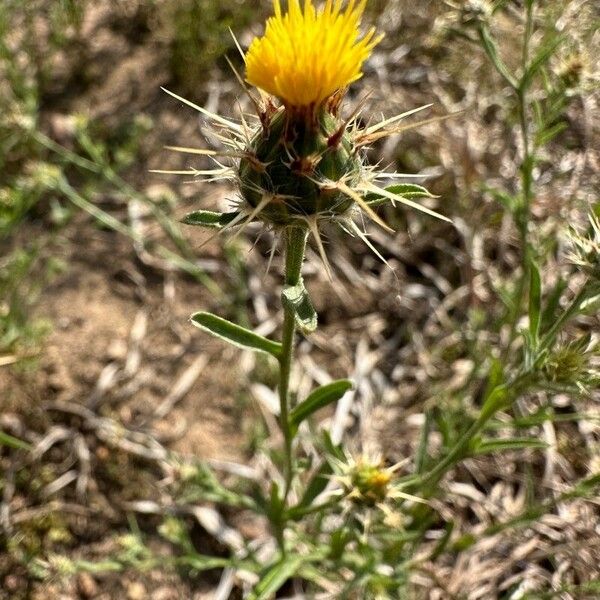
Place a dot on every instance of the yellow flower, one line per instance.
(306, 55)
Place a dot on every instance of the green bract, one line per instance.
(297, 165)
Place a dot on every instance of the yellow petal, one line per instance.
(306, 55)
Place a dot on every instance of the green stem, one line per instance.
(524, 213)
(294, 256)
(506, 394)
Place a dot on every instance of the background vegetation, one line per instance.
(475, 357)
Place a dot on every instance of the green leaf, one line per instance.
(547, 135)
(318, 399)
(491, 49)
(276, 506)
(334, 450)
(535, 302)
(297, 299)
(494, 400)
(13, 442)
(316, 485)
(207, 218)
(552, 305)
(199, 562)
(422, 456)
(274, 577)
(540, 59)
(235, 334)
(443, 542)
(491, 445)
(406, 190)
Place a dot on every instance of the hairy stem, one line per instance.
(294, 256)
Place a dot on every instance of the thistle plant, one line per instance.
(299, 164)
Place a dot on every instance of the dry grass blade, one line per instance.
(181, 387)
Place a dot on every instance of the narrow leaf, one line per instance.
(316, 485)
(488, 446)
(276, 506)
(235, 334)
(552, 305)
(318, 399)
(495, 398)
(332, 449)
(275, 577)
(13, 442)
(541, 58)
(199, 562)
(535, 302)
(207, 218)
(406, 190)
(297, 299)
(422, 456)
(491, 49)
(547, 135)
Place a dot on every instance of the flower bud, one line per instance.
(296, 164)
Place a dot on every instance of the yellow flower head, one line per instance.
(306, 55)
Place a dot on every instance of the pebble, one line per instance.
(86, 585)
(136, 591)
(165, 593)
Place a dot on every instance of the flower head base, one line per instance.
(301, 169)
(574, 365)
(305, 56)
(370, 483)
(364, 480)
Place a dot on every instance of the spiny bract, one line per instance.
(295, 167)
